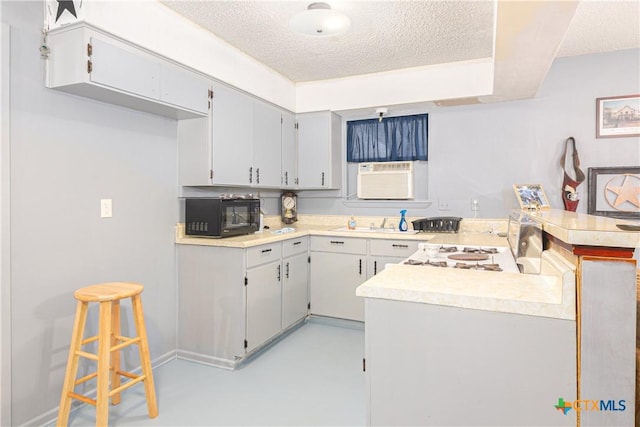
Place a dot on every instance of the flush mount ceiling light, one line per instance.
(319, 20)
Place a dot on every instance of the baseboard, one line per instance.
(49, 417)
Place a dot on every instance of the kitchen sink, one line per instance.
(375, 230)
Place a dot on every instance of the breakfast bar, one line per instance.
(459, 347)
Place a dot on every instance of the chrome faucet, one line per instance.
(384, 221)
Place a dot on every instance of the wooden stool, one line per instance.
(110, 342)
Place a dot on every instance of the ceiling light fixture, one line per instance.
(319, 20)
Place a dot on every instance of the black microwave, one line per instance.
(221, 217)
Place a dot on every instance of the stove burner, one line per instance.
(413, 262)
(480, 250)
(448, 249)
(436, 263)
(477, 266)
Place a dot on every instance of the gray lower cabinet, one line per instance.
(338, 267)
(432, 365)
(387, 251)
(234, 300)
(295, 288)
(264, 303)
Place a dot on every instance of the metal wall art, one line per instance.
(618, 116)
(614, 192)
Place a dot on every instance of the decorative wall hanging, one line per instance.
(531, 196)
(614, 192)
(58, 13)
(570, 196)
(618, 116)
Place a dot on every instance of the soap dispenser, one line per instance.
(351, 224)
(403, 221)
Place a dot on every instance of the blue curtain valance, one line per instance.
(393, 139)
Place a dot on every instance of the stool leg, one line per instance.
(115, 355)
(104, 347)
(145, 359)
(72, 364)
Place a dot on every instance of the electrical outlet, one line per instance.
(106, 208)
(475, 205)
(443, 205)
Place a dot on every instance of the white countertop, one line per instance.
(586, 230)
(550, 294)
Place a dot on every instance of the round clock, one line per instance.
(289, 202)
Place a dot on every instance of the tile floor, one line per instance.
(311, 377)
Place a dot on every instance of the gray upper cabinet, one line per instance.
(289, 177)
(319, 142)
(88, 62)
(239, 144)
(267, 134)
(232, 137)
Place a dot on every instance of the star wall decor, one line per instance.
(65, 5)
(623, 192)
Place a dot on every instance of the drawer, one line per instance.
(264, 253)
(343, 245)
(295, 246)
(396, 248)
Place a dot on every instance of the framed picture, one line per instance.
(618, 116)
(531, 196)
(614, 192)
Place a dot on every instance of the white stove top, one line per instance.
(463, 257)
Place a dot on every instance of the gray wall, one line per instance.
(67, 153)
(480, 151)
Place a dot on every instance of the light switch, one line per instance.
(106, 208)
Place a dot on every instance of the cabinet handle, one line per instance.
(297, 243)
(251, 175)
(297, 181)
(360, 268)
(257, 175)
(400, 246)
(375, 267)
(266, 250)
(286, 178)
(337, 242)
(323, 179)
(278, 272)
(287, 271)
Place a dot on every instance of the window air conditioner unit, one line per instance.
(385, 180)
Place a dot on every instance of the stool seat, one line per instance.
(110, 342)
(108, 291)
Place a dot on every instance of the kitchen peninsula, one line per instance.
(450, 347)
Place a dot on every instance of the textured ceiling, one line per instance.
(384, 35)
(390, 34)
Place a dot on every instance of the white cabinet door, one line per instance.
(264, 303)
(334, 279)
(295, 294)
(195, 151)
(319, 160)
(182, 87)
(232, 137)
(266, 144)
(289, 151)
(376, 264)
(124, 70)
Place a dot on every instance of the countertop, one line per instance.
(586, 230)
(550, 294)
(478, 232)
